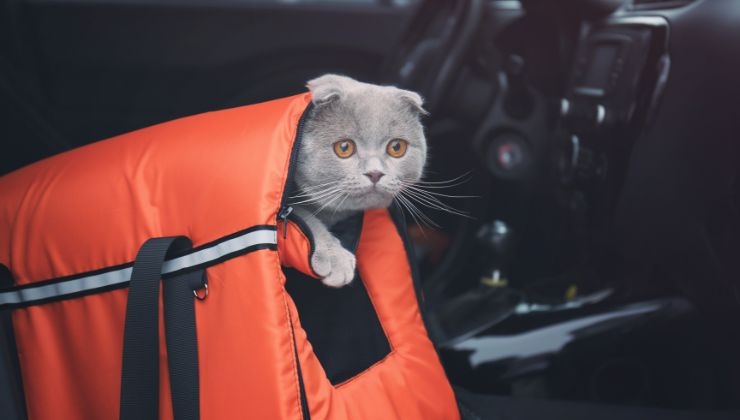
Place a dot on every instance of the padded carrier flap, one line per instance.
(404, 380)
(341, 323)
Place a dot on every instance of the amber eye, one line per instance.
(344, 148)
(397, 147)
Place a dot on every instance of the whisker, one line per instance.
(316, 192)
(413, 209)
(434, 187)
(316, 189)
(332, 199)
(416, 188)
(456, 179)
(434, 203)
(411, 214)
(426, 194)
(318, 196)
(433, 206)
(311, 200)
(426, 220)
(318, 186)
(346, 194)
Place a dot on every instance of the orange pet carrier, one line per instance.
(239, 328)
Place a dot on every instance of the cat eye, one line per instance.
(397, 147)
(344, 148)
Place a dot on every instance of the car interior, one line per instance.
(585, 260)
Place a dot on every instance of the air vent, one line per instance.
(658, 4)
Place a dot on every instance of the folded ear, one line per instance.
(327, 88)
(414, 100)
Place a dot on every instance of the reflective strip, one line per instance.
(30, 294)
(230, 246)
(81, 284)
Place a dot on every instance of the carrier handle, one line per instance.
(140, 367)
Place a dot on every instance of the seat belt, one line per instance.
(140, 367)
(12, 402)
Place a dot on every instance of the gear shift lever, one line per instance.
(490, 302)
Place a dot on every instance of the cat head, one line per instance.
(361, 144)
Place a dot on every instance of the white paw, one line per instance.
(334, 264)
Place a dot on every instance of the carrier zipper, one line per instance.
(283, 215)
(285, 209)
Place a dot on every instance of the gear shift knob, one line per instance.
(497, 242)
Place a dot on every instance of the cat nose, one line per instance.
(374, 176)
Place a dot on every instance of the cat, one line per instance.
(361, 145)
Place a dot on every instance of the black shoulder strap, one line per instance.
(140, 368)
(182, 343)
(12, 402)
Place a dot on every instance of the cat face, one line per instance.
(361, 144)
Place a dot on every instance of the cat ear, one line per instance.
(414, 100)
(326, 89)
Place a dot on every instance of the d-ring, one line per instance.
(205, 294)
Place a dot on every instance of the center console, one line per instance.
(619, 71)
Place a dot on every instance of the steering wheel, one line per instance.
(431, 51)
(430, 59)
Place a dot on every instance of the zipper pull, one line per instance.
(283, 215)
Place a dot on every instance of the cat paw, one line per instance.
(334, 264)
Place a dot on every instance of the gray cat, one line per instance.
(362, 144)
